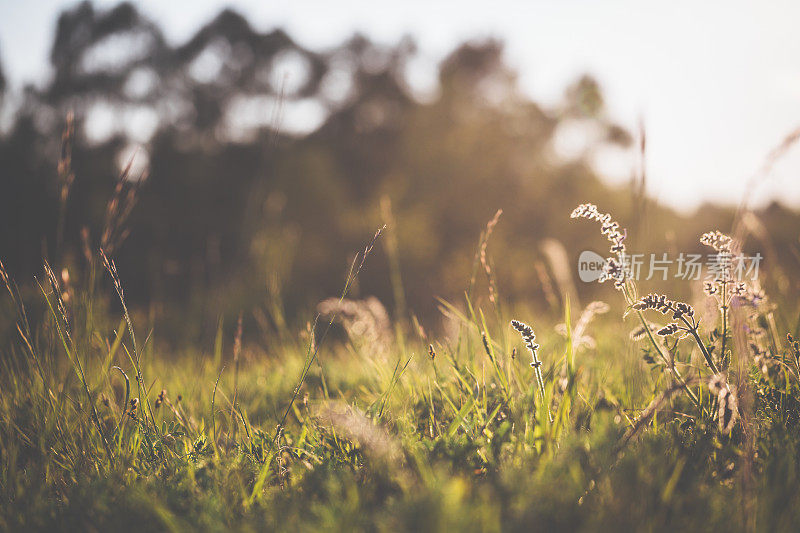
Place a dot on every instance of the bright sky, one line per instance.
(717, 83)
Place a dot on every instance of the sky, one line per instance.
(716, 84)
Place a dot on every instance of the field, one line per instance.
(357, 423)
(270, 266)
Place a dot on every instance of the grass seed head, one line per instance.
(728, 411)
(664, 305)
(718, 241)
(608, 227)
(669, 329)
(527, 334)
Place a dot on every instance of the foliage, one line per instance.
(383, 431)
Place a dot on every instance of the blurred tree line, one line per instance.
(236, 208)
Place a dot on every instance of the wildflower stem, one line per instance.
(672, 367)
(724, 311)
(529, 337)
(537, 364)
(693, 330)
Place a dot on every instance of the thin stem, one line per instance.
(313, 345)
(671, 366)
(72, 354)
(693, 330)
(537, 364)
(626, 292)
(724, 310)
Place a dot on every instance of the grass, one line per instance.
(690, 426)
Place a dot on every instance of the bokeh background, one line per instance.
(267, 144)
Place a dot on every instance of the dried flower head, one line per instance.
(355, 425)
(716, 383)
(162, 397)
(111, 268)
(484, 257)
(728, 405)
(718, 241)
(486, 347)
(579, 336)
(771, 369)
(134, 406)
(119, 208)
(59, 294)
(669, 329)
(679, 311)
(722, 269)
(639, 332)
(608, 227)
(662, 304)
(365, 320)
(527, 334)
(616, 268)
(615, 271)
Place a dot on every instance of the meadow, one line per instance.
(270, 325)
(636, 412)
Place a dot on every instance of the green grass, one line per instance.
(382, 429)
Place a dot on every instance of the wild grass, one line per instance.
(689, 424)
(460, 432)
